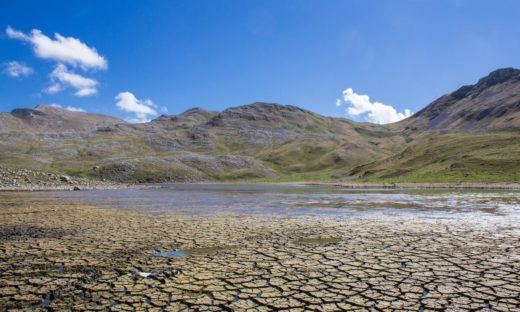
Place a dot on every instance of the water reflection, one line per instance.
(171, 253)
(297, 200)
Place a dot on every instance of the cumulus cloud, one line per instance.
(142, 109)
(75, 109)
(69, 108)
(61, 78)
(17, 69)
(375, 112)
(68, 50)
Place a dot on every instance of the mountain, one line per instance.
(51, 119)
(493, 103)
(469, 135)
(260, 140)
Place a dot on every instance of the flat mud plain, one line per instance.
(57, 256)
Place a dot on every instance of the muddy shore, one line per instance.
(94, 185)
(56, 256)
(416, 186)
(30, 180)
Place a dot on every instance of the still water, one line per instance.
(302, 200)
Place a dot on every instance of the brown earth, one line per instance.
(57, 256)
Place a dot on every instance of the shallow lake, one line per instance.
(301, 200)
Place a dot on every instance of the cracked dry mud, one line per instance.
(57, 256)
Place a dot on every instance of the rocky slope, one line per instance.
(25, 179)
(259, 140)
(493, 103)
(469, 135)
(49, 119)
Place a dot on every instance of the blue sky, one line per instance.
(175, 55)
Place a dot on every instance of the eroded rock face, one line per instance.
(107, 259)
(264, 133)
(493, 103)
(25, 179)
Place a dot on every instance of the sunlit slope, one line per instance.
(470, 135)
(492, 104)
(456, 157)
(260, 140)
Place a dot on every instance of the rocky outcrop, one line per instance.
(250, 141)
(25, 179)
(493, 103)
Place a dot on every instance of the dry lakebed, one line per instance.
(202, 247)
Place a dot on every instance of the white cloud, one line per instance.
(61, 78)
(54, 88)
(69, 108)
(61, 49)
(75, 109)
(359, 104)
(86, 92)
(17, 69)
(143, 109)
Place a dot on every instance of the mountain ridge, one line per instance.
(270, 141)
(481, 106)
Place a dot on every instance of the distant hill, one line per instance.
(493, 103)
(472, 134)
(50, 119)
(469, 135)
(259, 140)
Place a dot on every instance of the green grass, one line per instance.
(319, 176)
(453, 158)
(430, 158)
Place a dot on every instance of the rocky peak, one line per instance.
(492, 103)
(194, 110)
(52, 119)
(494, 78)
(27, 113)
(266, 107)
(261, 111)
(188, 118)
(499, 76)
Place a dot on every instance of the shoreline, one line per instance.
(32, 188)
(359, 186)
(115, 186)
(412, 186)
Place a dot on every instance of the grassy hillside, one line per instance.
(257, 141)
(455, 157)
(469, 135)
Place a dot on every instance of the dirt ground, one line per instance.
(58, 256)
